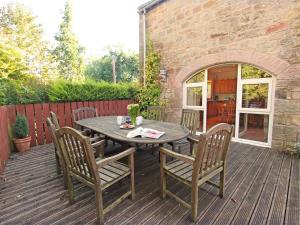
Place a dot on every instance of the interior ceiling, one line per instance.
(223, 72)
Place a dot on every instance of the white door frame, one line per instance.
(240, 82)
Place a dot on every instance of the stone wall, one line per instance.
(193, 34)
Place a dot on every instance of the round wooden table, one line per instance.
(107, 125)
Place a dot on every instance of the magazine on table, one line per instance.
(145, 132)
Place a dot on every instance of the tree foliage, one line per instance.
(100, 69)
(68, 52)
(254, 92)
(150, 93)
(22, 48)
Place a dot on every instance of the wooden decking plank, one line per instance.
(278, 207)
(205, 190)
(245, 195)
(62, 215)
(217, 206)
(209, 195)
(43, 199)
(292, 215)
(110, 198)
(170, 205)
(247, 209)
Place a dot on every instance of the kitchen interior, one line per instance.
(221, 94)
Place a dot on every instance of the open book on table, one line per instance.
(145, 132)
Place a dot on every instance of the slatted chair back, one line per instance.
(212, 148)
(54, 120)
(84, 113)
(60, 163)
(190, 119)
(155, 113)
(78, 155)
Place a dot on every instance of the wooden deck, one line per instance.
(262, 187)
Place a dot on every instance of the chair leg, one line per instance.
(191, 148)
(163, 181)
(99, 206)
(58, 163)
(222, 183)
(194, 202)
(70, 189)
(132, 187)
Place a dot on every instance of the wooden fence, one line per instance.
(38, 113)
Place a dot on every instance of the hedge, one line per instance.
(34, 91)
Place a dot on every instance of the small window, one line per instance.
(255, 95)
(197, 78)
(194, 96)
(250, 72)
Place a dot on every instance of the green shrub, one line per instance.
(33, 90)
(61, 91)
(21, 128)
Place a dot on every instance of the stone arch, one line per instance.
(268, 63)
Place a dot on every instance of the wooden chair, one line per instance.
(53, 124)
(84, 113)
(155, 113)
(99, 175)
(189, 119)
(210, 160)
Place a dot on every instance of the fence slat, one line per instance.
(68, 114)
(38, 112)
(46, 114)
(73, 107)
(61, 114)
(20, 109)
(4, 143)
(30, 117)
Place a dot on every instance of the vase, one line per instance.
(133, 120)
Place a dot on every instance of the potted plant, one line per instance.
(133, 111)
(21, 131)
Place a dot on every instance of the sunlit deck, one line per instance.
(262, 187)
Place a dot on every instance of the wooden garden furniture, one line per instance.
(83, 113)
(107, 125)
(53, 125)
(209, 161)
(97, 142)
(155, 113)
(189, 119)
(96, 174)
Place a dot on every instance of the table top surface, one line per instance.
(107, 125)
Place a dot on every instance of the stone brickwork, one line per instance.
(193, 34)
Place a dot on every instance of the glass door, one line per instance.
(254, 106)
(194, 96)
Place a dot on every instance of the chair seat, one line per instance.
(113, 172)
(184, 171)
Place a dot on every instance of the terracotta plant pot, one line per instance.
(23, 144)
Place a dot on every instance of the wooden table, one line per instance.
(107, 125)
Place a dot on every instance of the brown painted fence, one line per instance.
(37, 114)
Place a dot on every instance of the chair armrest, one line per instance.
(182, 157)
(114, 158)
(97, 143)
(193, 139)
(96, 139)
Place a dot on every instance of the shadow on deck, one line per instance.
(262, 187)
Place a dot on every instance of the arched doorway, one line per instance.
(234, 93)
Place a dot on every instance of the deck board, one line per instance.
(262, 187)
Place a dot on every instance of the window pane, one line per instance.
(254, 127)
(255, 96)
(200, 126)
(198, 77)
(250, 72)
(194, 96)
